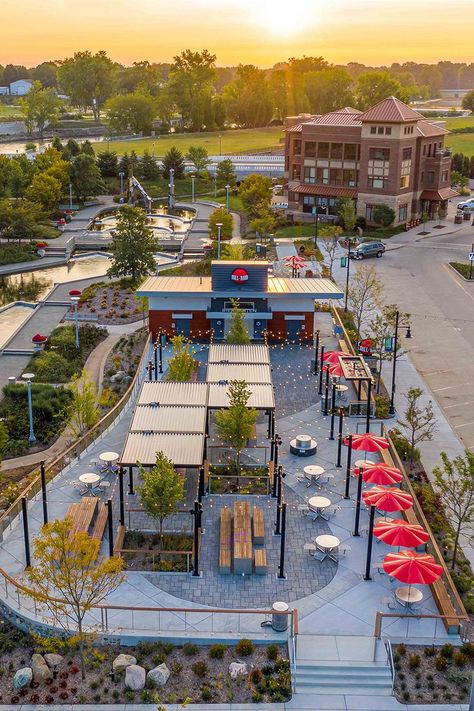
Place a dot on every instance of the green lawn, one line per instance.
(232, 141)
(7, 111)
(461, 143)
(459, 122)
(235, 203)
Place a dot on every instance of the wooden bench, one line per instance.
(258, 527)
(84, 515)
(71, 512)
(225, 557)
(100, 523)
(242, 538)
(260, 561)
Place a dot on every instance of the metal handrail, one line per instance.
(400, 615)
(294, 637)
(388, 648)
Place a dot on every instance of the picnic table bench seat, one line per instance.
(225, 559)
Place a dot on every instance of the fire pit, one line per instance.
(303, 446)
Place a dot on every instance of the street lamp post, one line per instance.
(215, 183)
(75, 302)
(348, 268)
(220, 144)
(394, 365)
(29, 377)
(121, 176)
(70, 196)
(171, 190)
(218, 225)
(227, 188)
(193, 178)
(315, 212)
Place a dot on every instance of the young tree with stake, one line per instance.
(162, 489)
(236, 423)
(237, 333)
(420, 422)
(365, 296)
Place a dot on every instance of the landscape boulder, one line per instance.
(40, 669)
(159, 675)
(53, 660)
(135, 677)
(237, 669)
(122, 662)
(22, 677)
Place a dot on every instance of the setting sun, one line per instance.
(273, 15)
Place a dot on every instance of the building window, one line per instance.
(444, 176)
(404, 181)
(310, 149)
(378, 182)
(308, 200)
(424, 149)
(350, 151)
(402, 213)
(323, 150)
(430, 177)
(380, 130)
(406, 155)
(388, 130)
(336, 150)
(422, 178)
(296, 148)
(373, 129)
(369, 211)
(322, 176)
(379, 154)
(296, 172)
(350, 178)
(408, 130)
(309, 175)
(335, 176)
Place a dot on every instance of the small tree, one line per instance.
(148, 167)
(225, 173)
(468, 101)
(237, 333)
(84, 409)
(455, 482)
(69, 577)
(424, 219)
(199, 157)
(44, 190)
(225, 219)
(181, 365)
(162, 489)
(347, 213)
(85, 177)
(420, 422)
(173, 159)
(381, 328)
(331, 244)
(383, 215)
(365, 295)
(236, 423)
(107, 162)
(133, 245)
(3, 439)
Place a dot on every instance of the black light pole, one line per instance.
(315, 227)
(347, 272)
(130, 481)
(277, 442)
(369, 402)
(121, 498)
(316, 352)
(359, 495)
(333, 408)
(339, 438)
(326, 391)
(110, 527)
(281, 568)
(43, 492)
(155, 356)
(348, 466)
(279, 502)
(394, 366)
(470, 263)
(160, 351)
(369, 542)
(197, 517)
(321, 364)
(201, 484)
(26, 535)
(149, 369)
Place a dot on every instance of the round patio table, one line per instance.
(326, 544)
(90, 479)
(408, 595)
(317, 504)
(108, 457)
(313, 470)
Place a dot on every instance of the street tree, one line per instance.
(69, 577)
(44, 190)
(84, 410)
(383, 215)
(133, 245)
(256, 192)
(220, 215)
(39, 107)
(107, 163)
(85, 177)
(381, 330)
(182, 364)
(89, 79)
(199, 157)
(173, 159)
(225, 173)
(365, 296)
(235, 424)
(331, 244)
(347, 213)
(237, 333)
(372, 87)
(162, 489)
(419, 421)
(468, 101)
(455, 482)
(130, 112)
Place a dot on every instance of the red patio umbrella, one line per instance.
(398, 532)
(367, 442)
(75, 292)
(381, 474)
(388, 499)
(38, 338)
(411, 567)
(332, 356)
(335, 369)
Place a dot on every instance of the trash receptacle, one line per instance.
(467, 215)
(280, 622)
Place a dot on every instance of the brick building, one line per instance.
(279, 306)
(389, 154)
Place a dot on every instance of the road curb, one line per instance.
(469, 281)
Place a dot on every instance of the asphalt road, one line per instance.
(417, 278)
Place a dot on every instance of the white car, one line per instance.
(466, 204)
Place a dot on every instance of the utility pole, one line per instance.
(394, 366)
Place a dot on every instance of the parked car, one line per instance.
(368, 249)
(466, 204)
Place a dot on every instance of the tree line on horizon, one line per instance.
(208, 97)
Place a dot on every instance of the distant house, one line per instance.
(4, 90)
(20, 87)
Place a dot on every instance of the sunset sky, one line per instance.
(249, 31)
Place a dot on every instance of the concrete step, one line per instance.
(338, 691)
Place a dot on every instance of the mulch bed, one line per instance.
(111, 304)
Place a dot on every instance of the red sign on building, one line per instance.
(239, 275)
